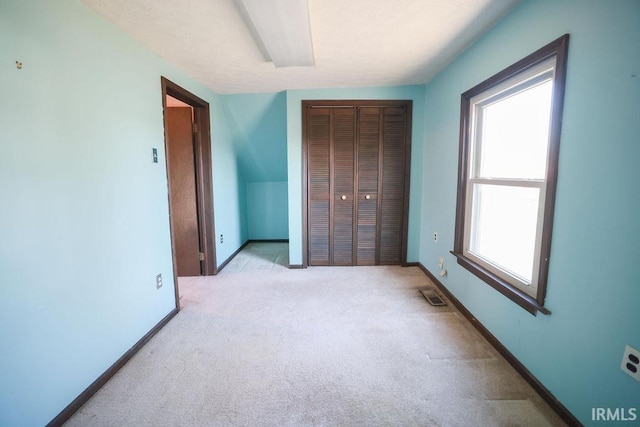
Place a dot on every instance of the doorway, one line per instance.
(190, 185)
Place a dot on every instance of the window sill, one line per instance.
(514, 294)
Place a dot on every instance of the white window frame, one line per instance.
(546, 64)
(541, 73)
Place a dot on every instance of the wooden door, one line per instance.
(318, 182)
(356, 162)
(391, 192)
(368, 149)
(342, 178)
(330, 148)
(182, 179)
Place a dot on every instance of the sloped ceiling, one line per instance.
(258, 123)
(356, 42)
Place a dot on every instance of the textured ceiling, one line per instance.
(356, 42)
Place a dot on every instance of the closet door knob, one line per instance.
(343, 197)
(367, 196)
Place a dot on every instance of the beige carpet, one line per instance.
(261, 345)
(259, 256)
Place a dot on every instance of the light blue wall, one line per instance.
(229, 187)
(258, 124)
(594, 279)
(294, 153)
(83, 210)
(267, 210)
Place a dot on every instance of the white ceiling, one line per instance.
(356, 42)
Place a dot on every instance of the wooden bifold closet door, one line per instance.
(356, 157)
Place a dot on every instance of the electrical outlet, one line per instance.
(435, 237)
(631, 362)
(158, 281)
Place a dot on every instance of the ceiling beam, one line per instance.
(281, 30)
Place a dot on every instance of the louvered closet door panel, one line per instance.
(392, 189)
(343, 174)
(318, 149)
(368, 150)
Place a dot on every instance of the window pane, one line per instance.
(515, 135)
(503, 228)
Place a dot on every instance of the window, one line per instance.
(508, 166)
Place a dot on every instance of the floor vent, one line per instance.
(433, 297)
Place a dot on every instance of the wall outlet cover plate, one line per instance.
(631, 362)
